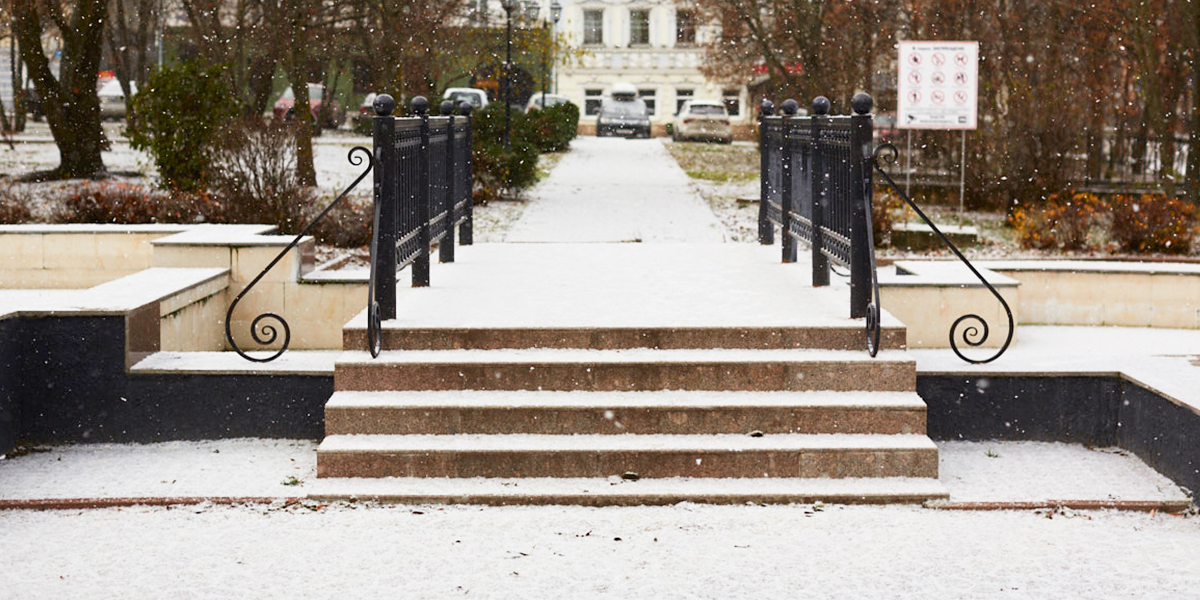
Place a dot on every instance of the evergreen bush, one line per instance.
(499, 170)
(178, 114)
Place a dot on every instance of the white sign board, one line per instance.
(938, 86)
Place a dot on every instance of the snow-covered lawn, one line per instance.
(683, 551)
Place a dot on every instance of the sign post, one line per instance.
(938, 88)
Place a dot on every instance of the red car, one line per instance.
(285, 106)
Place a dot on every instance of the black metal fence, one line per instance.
(816, 187)
(422, 192)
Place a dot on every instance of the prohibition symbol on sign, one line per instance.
(914, 97)
(938, 78)
(914, 77)
(938, 59)
(914, 59)
(960, 78)
(938, 96)
(960, 97)
(960, 59)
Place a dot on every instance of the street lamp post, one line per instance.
(508, 6)
(555, 13)
(530, 13)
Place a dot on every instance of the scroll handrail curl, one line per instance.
(972, 335)
(266, 333)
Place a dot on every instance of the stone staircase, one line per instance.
(626, 415)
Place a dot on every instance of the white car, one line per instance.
(703, 120)
(535, 101)
(112, 99)
(476, 97)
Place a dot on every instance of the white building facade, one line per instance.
(655, 45)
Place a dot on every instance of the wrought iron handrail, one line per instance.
(266, 334)
(971, 335)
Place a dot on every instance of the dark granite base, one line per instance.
(1096, 410)
(64, 381)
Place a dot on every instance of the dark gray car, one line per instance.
(621, 116)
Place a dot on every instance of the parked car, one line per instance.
(284, 107)
(366, 111)
(112, 99)
(476, 97)
(702, 120)
(623, 116)
(535, 101)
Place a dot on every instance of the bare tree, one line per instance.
(69, 100)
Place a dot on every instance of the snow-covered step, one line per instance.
(664, 412)
(626, 370)
(651, 456)
(847, 336)
(621, 492)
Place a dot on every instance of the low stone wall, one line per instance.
(83, 257)
(1110, 293)
(928, 296)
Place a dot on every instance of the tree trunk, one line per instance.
(302, 121)
(70, 103)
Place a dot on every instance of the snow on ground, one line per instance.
(616, 190)
(971, 471)
(305, 550)
(682, 551)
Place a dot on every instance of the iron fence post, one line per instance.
(465, 231)
(817, 175)
(766, 231)
(387, 197)
(789, 108)
(446, 247)
(861, 132)
(420, 274)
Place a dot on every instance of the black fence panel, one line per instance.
(816, 189)
(422, 191)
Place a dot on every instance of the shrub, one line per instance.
(1062, 224)
(498, 169)
(554, 127)
(883, 209)
(1153, 223)
(177, 115)
(14, 207)
(254, 175)
(348, 225)
(125, 203)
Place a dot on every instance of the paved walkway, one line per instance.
(616, 190)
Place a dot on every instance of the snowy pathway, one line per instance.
(616, 190)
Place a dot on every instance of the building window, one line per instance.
(685, 28)
(733, 102)
(647, 96)
(591, 101)
(682, 96)
(639, 28)
(593, 27)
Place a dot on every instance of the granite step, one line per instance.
(848, 337)
(620, 492)
(650, 456)
(625, 370)
(663, 412)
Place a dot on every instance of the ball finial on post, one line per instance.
(465, 108)
(821, 105)
(446, 107)
(420, 105)
(790, 107)
(383, 104)
(862, 103)
(767, 108)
